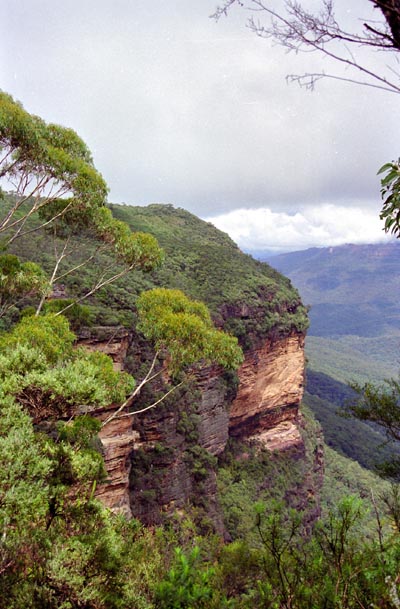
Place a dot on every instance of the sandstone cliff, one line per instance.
(164, 459)
(269, 393)
(159, 461)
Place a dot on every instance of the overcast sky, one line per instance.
(177, 108)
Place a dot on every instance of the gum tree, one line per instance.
(55, 187)
(41, 163)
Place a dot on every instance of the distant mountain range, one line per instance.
(353, 292)
(352, 289)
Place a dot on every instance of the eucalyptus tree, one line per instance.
(52, 184)
(40, 163)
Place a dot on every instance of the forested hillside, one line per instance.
(198, 259)
(261, 495)
(344, 286)
(124, 401)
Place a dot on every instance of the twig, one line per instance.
(149, 377)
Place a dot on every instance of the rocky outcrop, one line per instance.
(159, 460)
(171, 464)
(118, 441)
(269, 394)
(113, 341)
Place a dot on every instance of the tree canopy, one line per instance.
(41, 163)
(55, 187)
(183, 328)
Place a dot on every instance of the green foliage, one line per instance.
(18, 279)
(199, 260)
(40, 367)
(344, 477)
(380, 404)
(293, 568)
(186, 586)
(55, 186)
(351, 358)
(24, 488)
(208, 266)
(351, 438)
(59, 547)
(251, 474)
(358, 440)
(49, 334)
(200, 462)
(184, 329)
(38, 159)
(134, 249)
(390, 191)
(78, 315)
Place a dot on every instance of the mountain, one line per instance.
(159, 461)
(352, 291)
(354, 333)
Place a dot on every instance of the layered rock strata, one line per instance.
(269, 394)
(158, 460)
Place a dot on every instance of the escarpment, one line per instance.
(165, 459)
(269, 393)
(162, 460)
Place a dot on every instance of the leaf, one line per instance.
(385, 167)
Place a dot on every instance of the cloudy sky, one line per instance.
(177, 108)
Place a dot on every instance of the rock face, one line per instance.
(269, 394)
(118, 437)
(176, 445)
(118, 440)
(156, 461)
(109, 340)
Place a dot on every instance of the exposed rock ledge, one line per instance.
(270, 391)
(285, 436)
(265, 409)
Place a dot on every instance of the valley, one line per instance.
(352, 291)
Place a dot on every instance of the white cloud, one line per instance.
(312, 226)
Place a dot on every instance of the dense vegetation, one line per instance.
(199, 259)
(328, 398)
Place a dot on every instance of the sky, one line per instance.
(177, 108)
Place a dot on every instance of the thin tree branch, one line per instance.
(59, 259)
(297, 30)
(149, 377)
(129, 414)
(99, 249)
(311, 78)
(100, 284)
